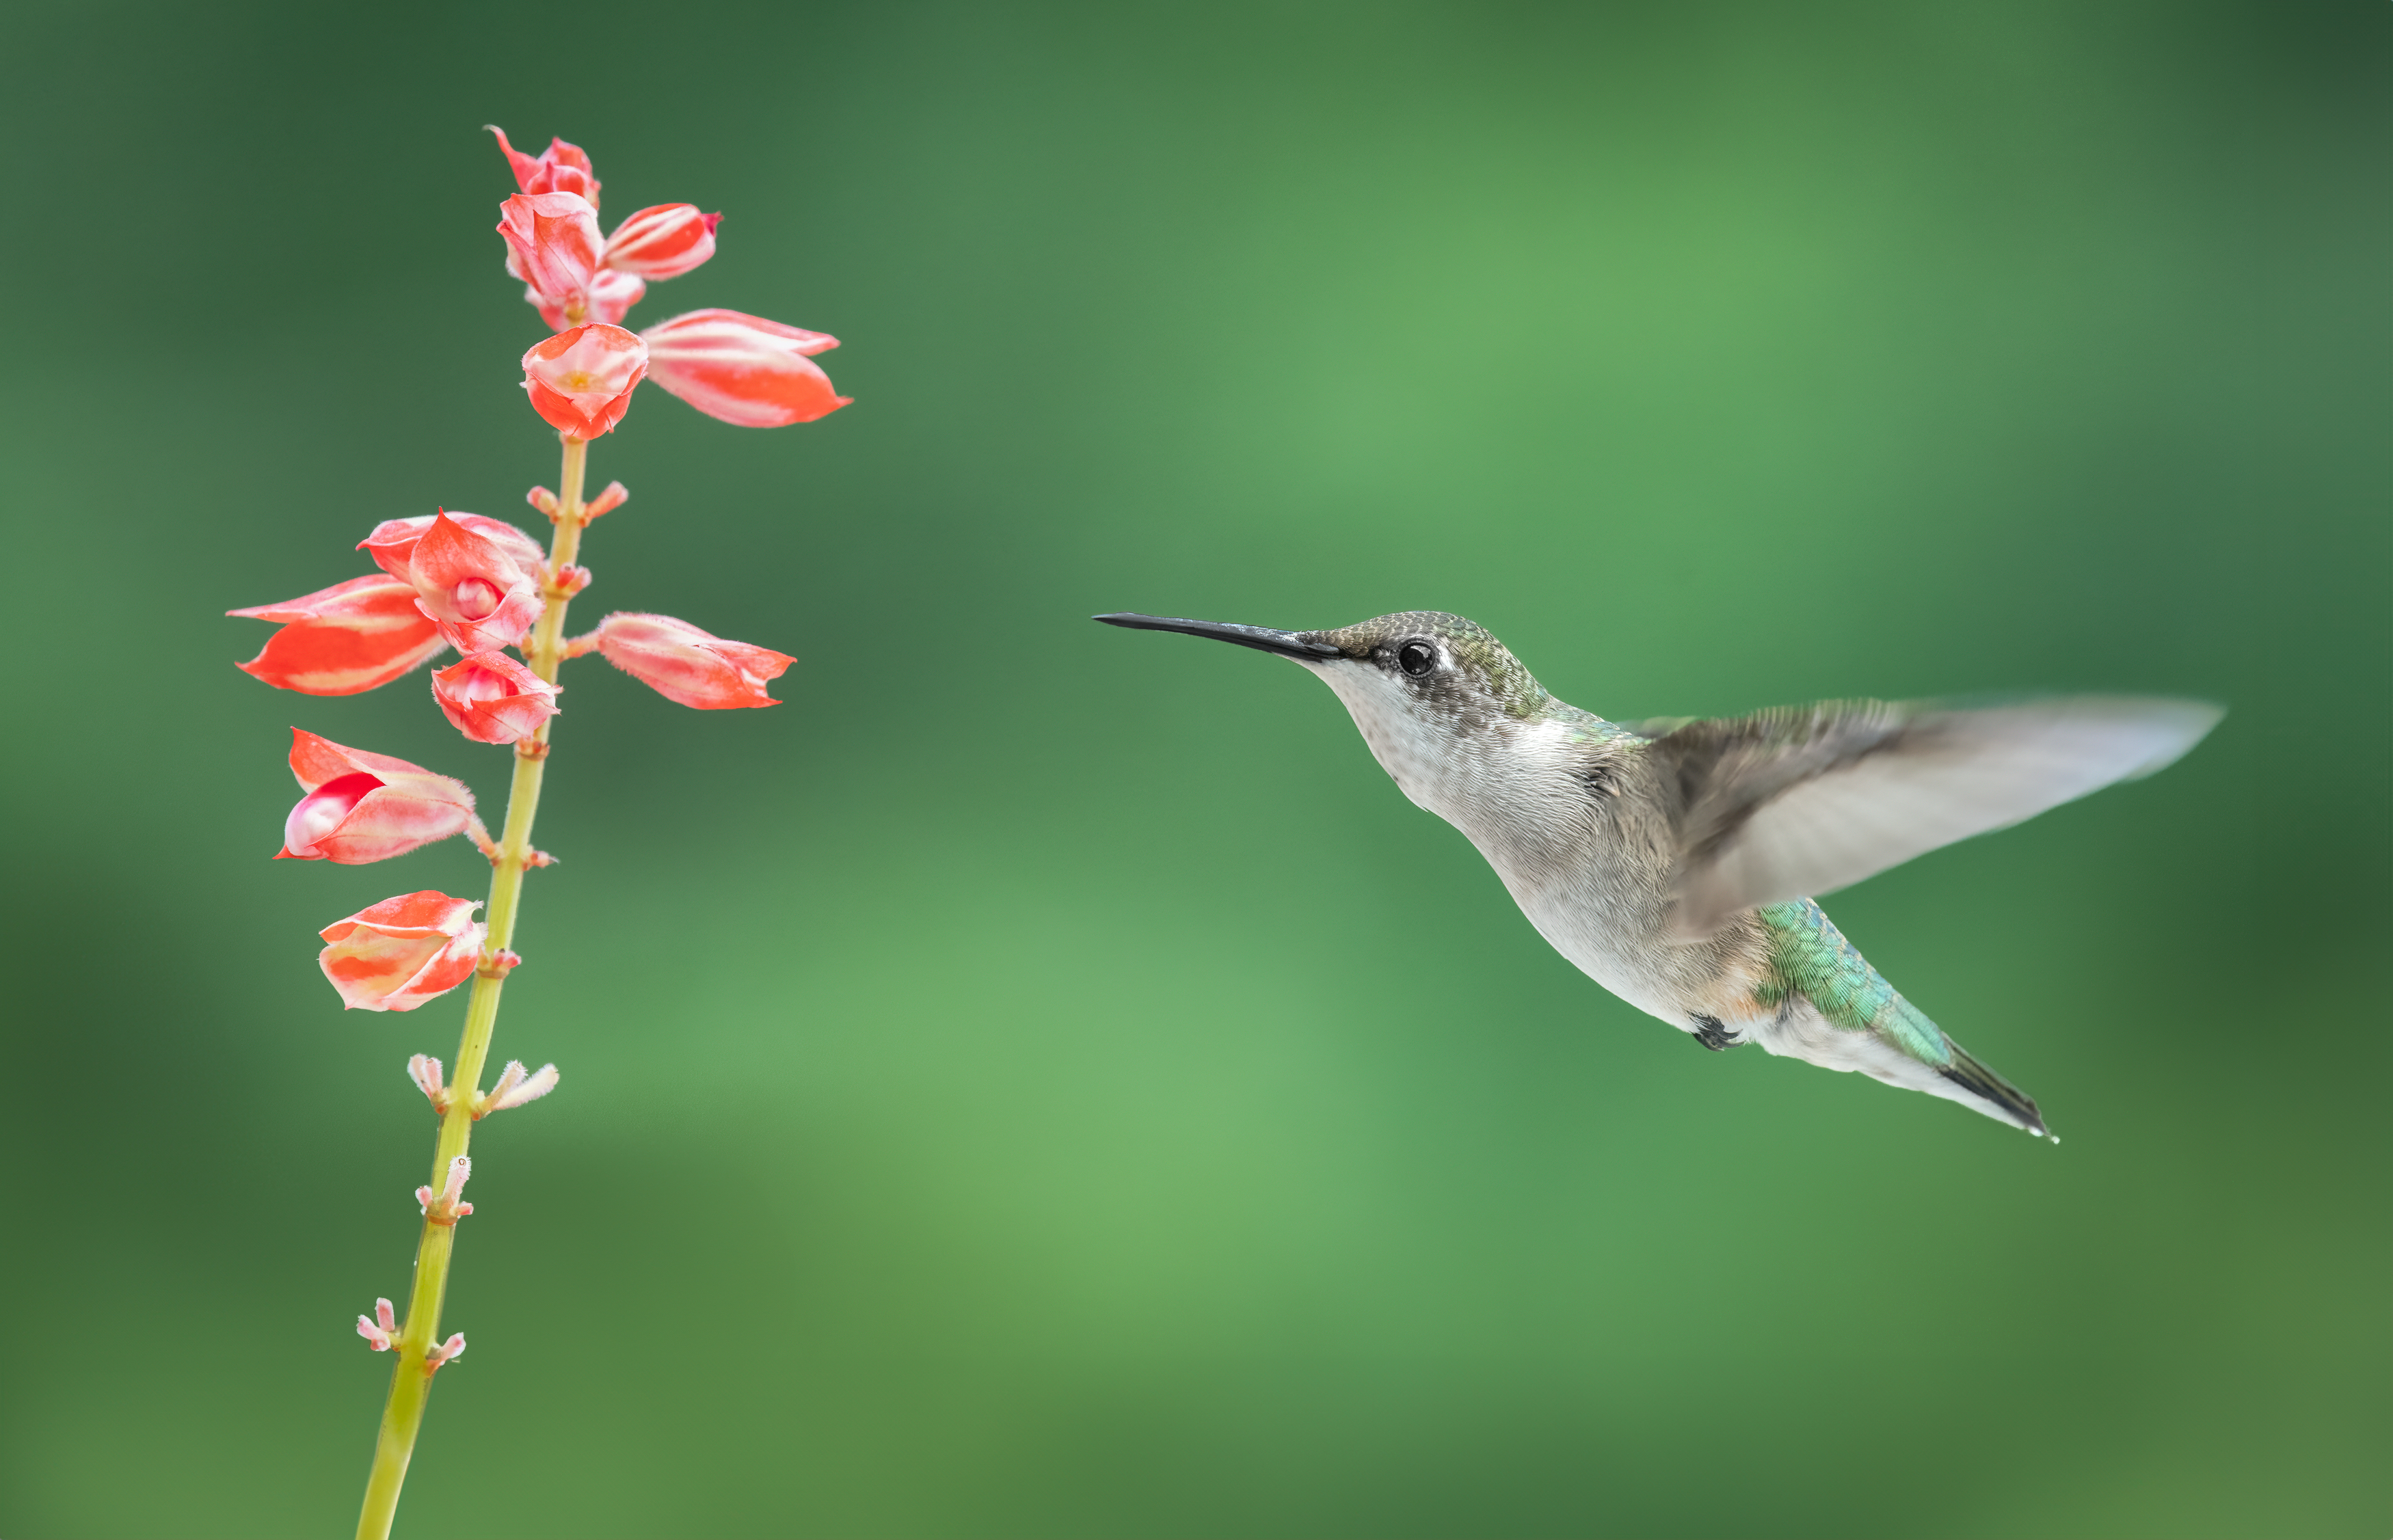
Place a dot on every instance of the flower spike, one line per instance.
(446, 1207)
(516, 1087)
(381, 1329)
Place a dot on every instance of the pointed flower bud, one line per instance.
(581, 381)
(516, 1087)
(425, 1070)
(614, 497)
(609, 295)
(492, 698)
(401, 952)
(742, 369)
(683, 663)
(362, 807)
(340, 640)
(444, 1352)
(475, 592)
(381, 1329)
(444, 1206)
(553, 245)
(393, 540)
(663, 242)
(560, 168)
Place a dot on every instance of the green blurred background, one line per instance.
(1045, 1080)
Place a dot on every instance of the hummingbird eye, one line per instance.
(1417, 657)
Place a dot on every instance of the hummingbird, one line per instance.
(1676, 861)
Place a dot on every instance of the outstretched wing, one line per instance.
(1805, 799)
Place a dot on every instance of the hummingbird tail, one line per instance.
(1983, 1084)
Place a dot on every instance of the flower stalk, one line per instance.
(415, 1347)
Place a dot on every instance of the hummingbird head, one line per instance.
(1429, 690)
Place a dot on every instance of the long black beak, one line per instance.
(1287, 644)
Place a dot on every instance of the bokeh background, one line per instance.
(1044, 1080)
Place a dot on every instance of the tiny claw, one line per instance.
(546, 500)
(614, 497)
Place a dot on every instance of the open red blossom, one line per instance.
(401, 952)
(475, 592)
(363, 807)
(683, 663)
(663, 242)
(553, 245)
(340, 640)
(393, 540)
(612, 294)
(492, 698)
(581, 381)
(560, 168)
(743, 369)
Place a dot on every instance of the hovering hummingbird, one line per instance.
(1675, 861)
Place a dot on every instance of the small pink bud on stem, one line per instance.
(446, 1207)
(444, 1352)
(381, 1329)
(516, 1087)
(614, 497)
(425, 1072)
(570, 579)
(546, 500)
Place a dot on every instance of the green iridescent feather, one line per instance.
(1809, 956)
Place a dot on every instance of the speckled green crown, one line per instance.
(1498, 674)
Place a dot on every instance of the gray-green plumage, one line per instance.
(1673, 861)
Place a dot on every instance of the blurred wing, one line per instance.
(1806, 800)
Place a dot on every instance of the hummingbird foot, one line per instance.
(1714, 1034)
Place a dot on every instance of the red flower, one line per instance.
(743, 369)
(475, 592)
(403, 951)
(611, 294)
(553, 245)
(393, 540)
(581, 381)
(683, 663)
(492, 698)
(560, 168)
(363, 807)
(350, 637)
(663, 242)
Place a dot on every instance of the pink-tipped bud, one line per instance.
(546, 500)
(400, 953)
(516, 1087)
(561, 167)
(361, 806)
(685, 664)
(425, 1072)
(663, 242)
(382, 1329)
(570, 579)
(492, 698)
(445, 1205)
(614, 497)
(444, 1352)
(742, 369)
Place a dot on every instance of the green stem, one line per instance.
(410, 1384)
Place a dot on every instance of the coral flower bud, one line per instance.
(402, 952)
(340, 640)
(393, 540)
(747, 371)
(492, 698)
(581, 381)
(560, 168)
(362, 807)
(663, 242)
(381, 1328)
(609, 296)
(475, 592)
(553, 245)
(683, 663)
